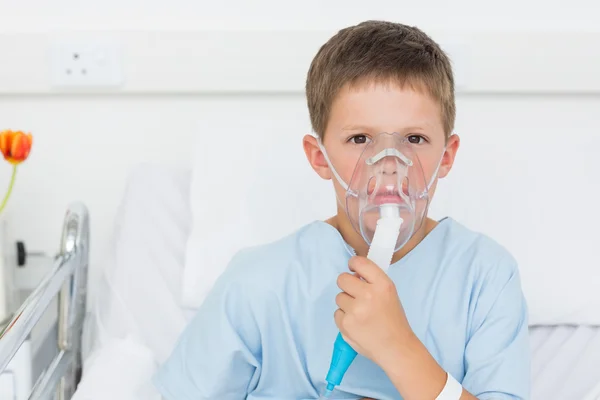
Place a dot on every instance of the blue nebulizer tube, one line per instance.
(381, 252)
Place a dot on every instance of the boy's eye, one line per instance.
(416, 139)
(359, 139)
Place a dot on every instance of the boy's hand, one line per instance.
(370, 315)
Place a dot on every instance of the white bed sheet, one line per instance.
(140, 321)
(565, 362)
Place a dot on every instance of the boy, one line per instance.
(450, 308)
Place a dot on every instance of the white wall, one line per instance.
(307, 14)
(85, 143)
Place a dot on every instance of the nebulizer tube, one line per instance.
(380, 252)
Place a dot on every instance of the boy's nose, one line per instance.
(390, 166)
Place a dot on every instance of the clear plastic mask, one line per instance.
(388, 172)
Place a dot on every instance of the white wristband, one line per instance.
(452, 390)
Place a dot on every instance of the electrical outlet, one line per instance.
(86, 63)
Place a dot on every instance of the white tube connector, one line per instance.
(386, 234)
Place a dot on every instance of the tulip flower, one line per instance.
(15, 147)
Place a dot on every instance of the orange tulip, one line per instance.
(15, 146)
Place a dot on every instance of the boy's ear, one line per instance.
(449, 155)
(315, 156)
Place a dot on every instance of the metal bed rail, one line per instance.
(68, 281)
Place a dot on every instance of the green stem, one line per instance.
(10, 188)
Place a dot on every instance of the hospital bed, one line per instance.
(135, 322)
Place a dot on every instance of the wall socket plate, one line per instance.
(86, 63)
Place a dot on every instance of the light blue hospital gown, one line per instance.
(266, 330)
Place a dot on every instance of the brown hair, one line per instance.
(383, 52)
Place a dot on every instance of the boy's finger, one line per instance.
(366, 268)
(350, 284)
(344, 301)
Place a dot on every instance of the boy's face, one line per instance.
(363, 111)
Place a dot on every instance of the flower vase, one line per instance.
(8, 266)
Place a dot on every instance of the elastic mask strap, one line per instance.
(435, 173)
(337, 176)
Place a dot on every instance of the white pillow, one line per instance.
(251, 183)
(151, 228)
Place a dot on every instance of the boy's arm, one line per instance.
(497, 355)
(416, 374)
(217, 356)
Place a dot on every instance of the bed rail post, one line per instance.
(72, 300)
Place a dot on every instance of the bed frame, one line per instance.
(67, 280)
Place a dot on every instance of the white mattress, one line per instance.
(151, 236)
